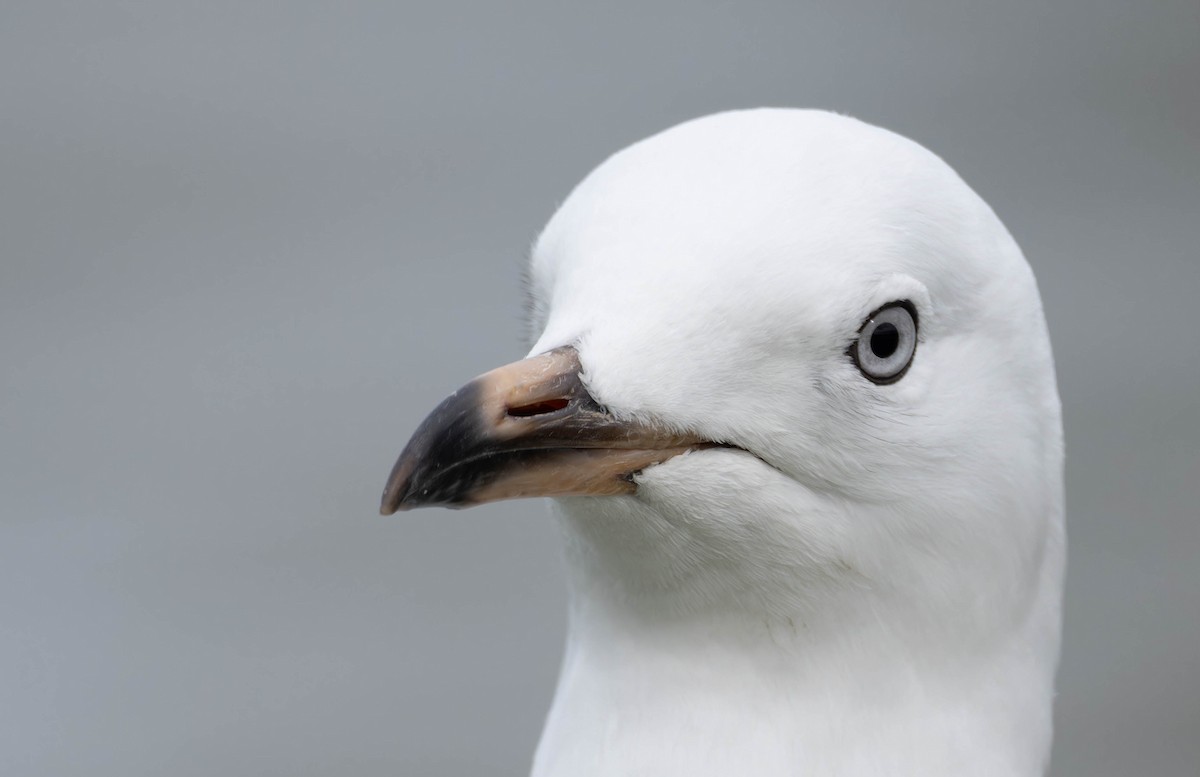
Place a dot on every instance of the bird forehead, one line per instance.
(741, 181)
(794, 206)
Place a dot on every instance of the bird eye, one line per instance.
(886, 342)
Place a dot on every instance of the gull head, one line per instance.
(792, 392)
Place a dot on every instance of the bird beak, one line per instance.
(526, 429)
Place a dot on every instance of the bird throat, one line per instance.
(680, 661)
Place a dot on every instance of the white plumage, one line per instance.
(873, 585)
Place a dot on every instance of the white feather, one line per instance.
(877, 589)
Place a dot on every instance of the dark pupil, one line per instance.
(885, 340)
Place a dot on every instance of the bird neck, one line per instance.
(679, 664)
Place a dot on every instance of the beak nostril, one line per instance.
(537, 408)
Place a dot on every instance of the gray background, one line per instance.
(246, 247)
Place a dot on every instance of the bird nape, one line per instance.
(793, 396)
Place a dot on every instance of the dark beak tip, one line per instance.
(398, 490)
(393, 507)
(393, 501)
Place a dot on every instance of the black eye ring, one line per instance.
(886, 343)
